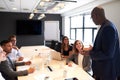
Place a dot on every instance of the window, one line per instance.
(81, 27)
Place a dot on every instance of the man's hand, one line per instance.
(20, 59)
(86, 51)
(31, 70)
(15, 47)
(88, 48)
(28, 63)
(83, 52)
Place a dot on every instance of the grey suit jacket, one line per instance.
(8, 73)
(86, 61)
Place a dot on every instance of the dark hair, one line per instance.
(63, 44)
(12, 36)
(4, 42)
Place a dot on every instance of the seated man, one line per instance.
(15, 53)
(7, 66)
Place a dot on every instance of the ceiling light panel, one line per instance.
(29, 4)
(13, 5)
(3, 7)
(71, 6)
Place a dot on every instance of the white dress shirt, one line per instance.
(80, 59)
(14, 55)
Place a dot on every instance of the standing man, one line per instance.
(105, 52)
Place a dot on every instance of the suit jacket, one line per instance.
(8, 73)
(105, 51)
(86, 61)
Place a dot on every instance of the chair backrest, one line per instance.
(58, 47)
(53, 43)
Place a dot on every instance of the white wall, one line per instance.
(112, 11)
(51, 31)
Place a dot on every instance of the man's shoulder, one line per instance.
(3, 62)
(14, 51)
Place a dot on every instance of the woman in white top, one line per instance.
(81, 60)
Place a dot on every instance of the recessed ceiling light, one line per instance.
(42, 4)
(14, 8)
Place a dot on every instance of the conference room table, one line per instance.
(58, 68)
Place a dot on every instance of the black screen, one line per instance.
(28, 27)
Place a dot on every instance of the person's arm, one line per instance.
(70, 58)
(7, 70)
(106, 45)
(19, 55)
(87, 63)
(22, 63)
(15, 47)
(19, 63)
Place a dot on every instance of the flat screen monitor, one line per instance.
(28, 27)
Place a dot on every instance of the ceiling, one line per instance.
(30, 6)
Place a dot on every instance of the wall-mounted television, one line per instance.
(28, 27)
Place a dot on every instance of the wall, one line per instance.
(8, 27)
(112, 11)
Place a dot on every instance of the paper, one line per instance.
(41, 77)
(21, 68)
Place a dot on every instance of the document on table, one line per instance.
(42, 77)
(21, 68)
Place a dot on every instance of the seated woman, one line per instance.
(83, 61)
(64, 47)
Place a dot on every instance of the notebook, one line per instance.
(56, 55)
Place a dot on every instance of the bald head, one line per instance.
(98, 11)
(98, 15)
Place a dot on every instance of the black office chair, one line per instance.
(53, 43)
(58, 46)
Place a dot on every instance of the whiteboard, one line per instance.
(51, 30)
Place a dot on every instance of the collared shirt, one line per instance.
(14, 55)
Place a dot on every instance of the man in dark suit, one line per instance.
(105, 52)
(7, 67)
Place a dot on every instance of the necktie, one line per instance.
(12, 64)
